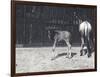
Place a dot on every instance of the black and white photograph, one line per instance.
(52, 37)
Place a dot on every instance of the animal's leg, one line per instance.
(69, 49)
(54, 45)
(84, 50)
(89, 47)
(82, 45)
(92, 44)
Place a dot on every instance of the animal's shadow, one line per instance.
(63, 54)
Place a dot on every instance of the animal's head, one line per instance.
(51, 32)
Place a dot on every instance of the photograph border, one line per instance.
(13, 38)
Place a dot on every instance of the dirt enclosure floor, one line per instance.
(41, 59)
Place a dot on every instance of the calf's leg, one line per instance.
(69, 49)
(54, 45)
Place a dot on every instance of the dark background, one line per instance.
(32, 23)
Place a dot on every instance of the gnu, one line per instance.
(57, 35)
(85, 29)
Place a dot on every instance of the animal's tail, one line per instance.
(87, 39)
(86, 34)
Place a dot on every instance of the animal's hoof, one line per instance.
(81, 55)
(53, 50)
(69, 57)
(89, 55)
(52, 59)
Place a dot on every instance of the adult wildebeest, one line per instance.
(85, 29)
(58, 35)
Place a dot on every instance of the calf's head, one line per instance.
(51, 34)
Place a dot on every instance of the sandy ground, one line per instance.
(40, 59)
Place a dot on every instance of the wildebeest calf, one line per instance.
(58, 35)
